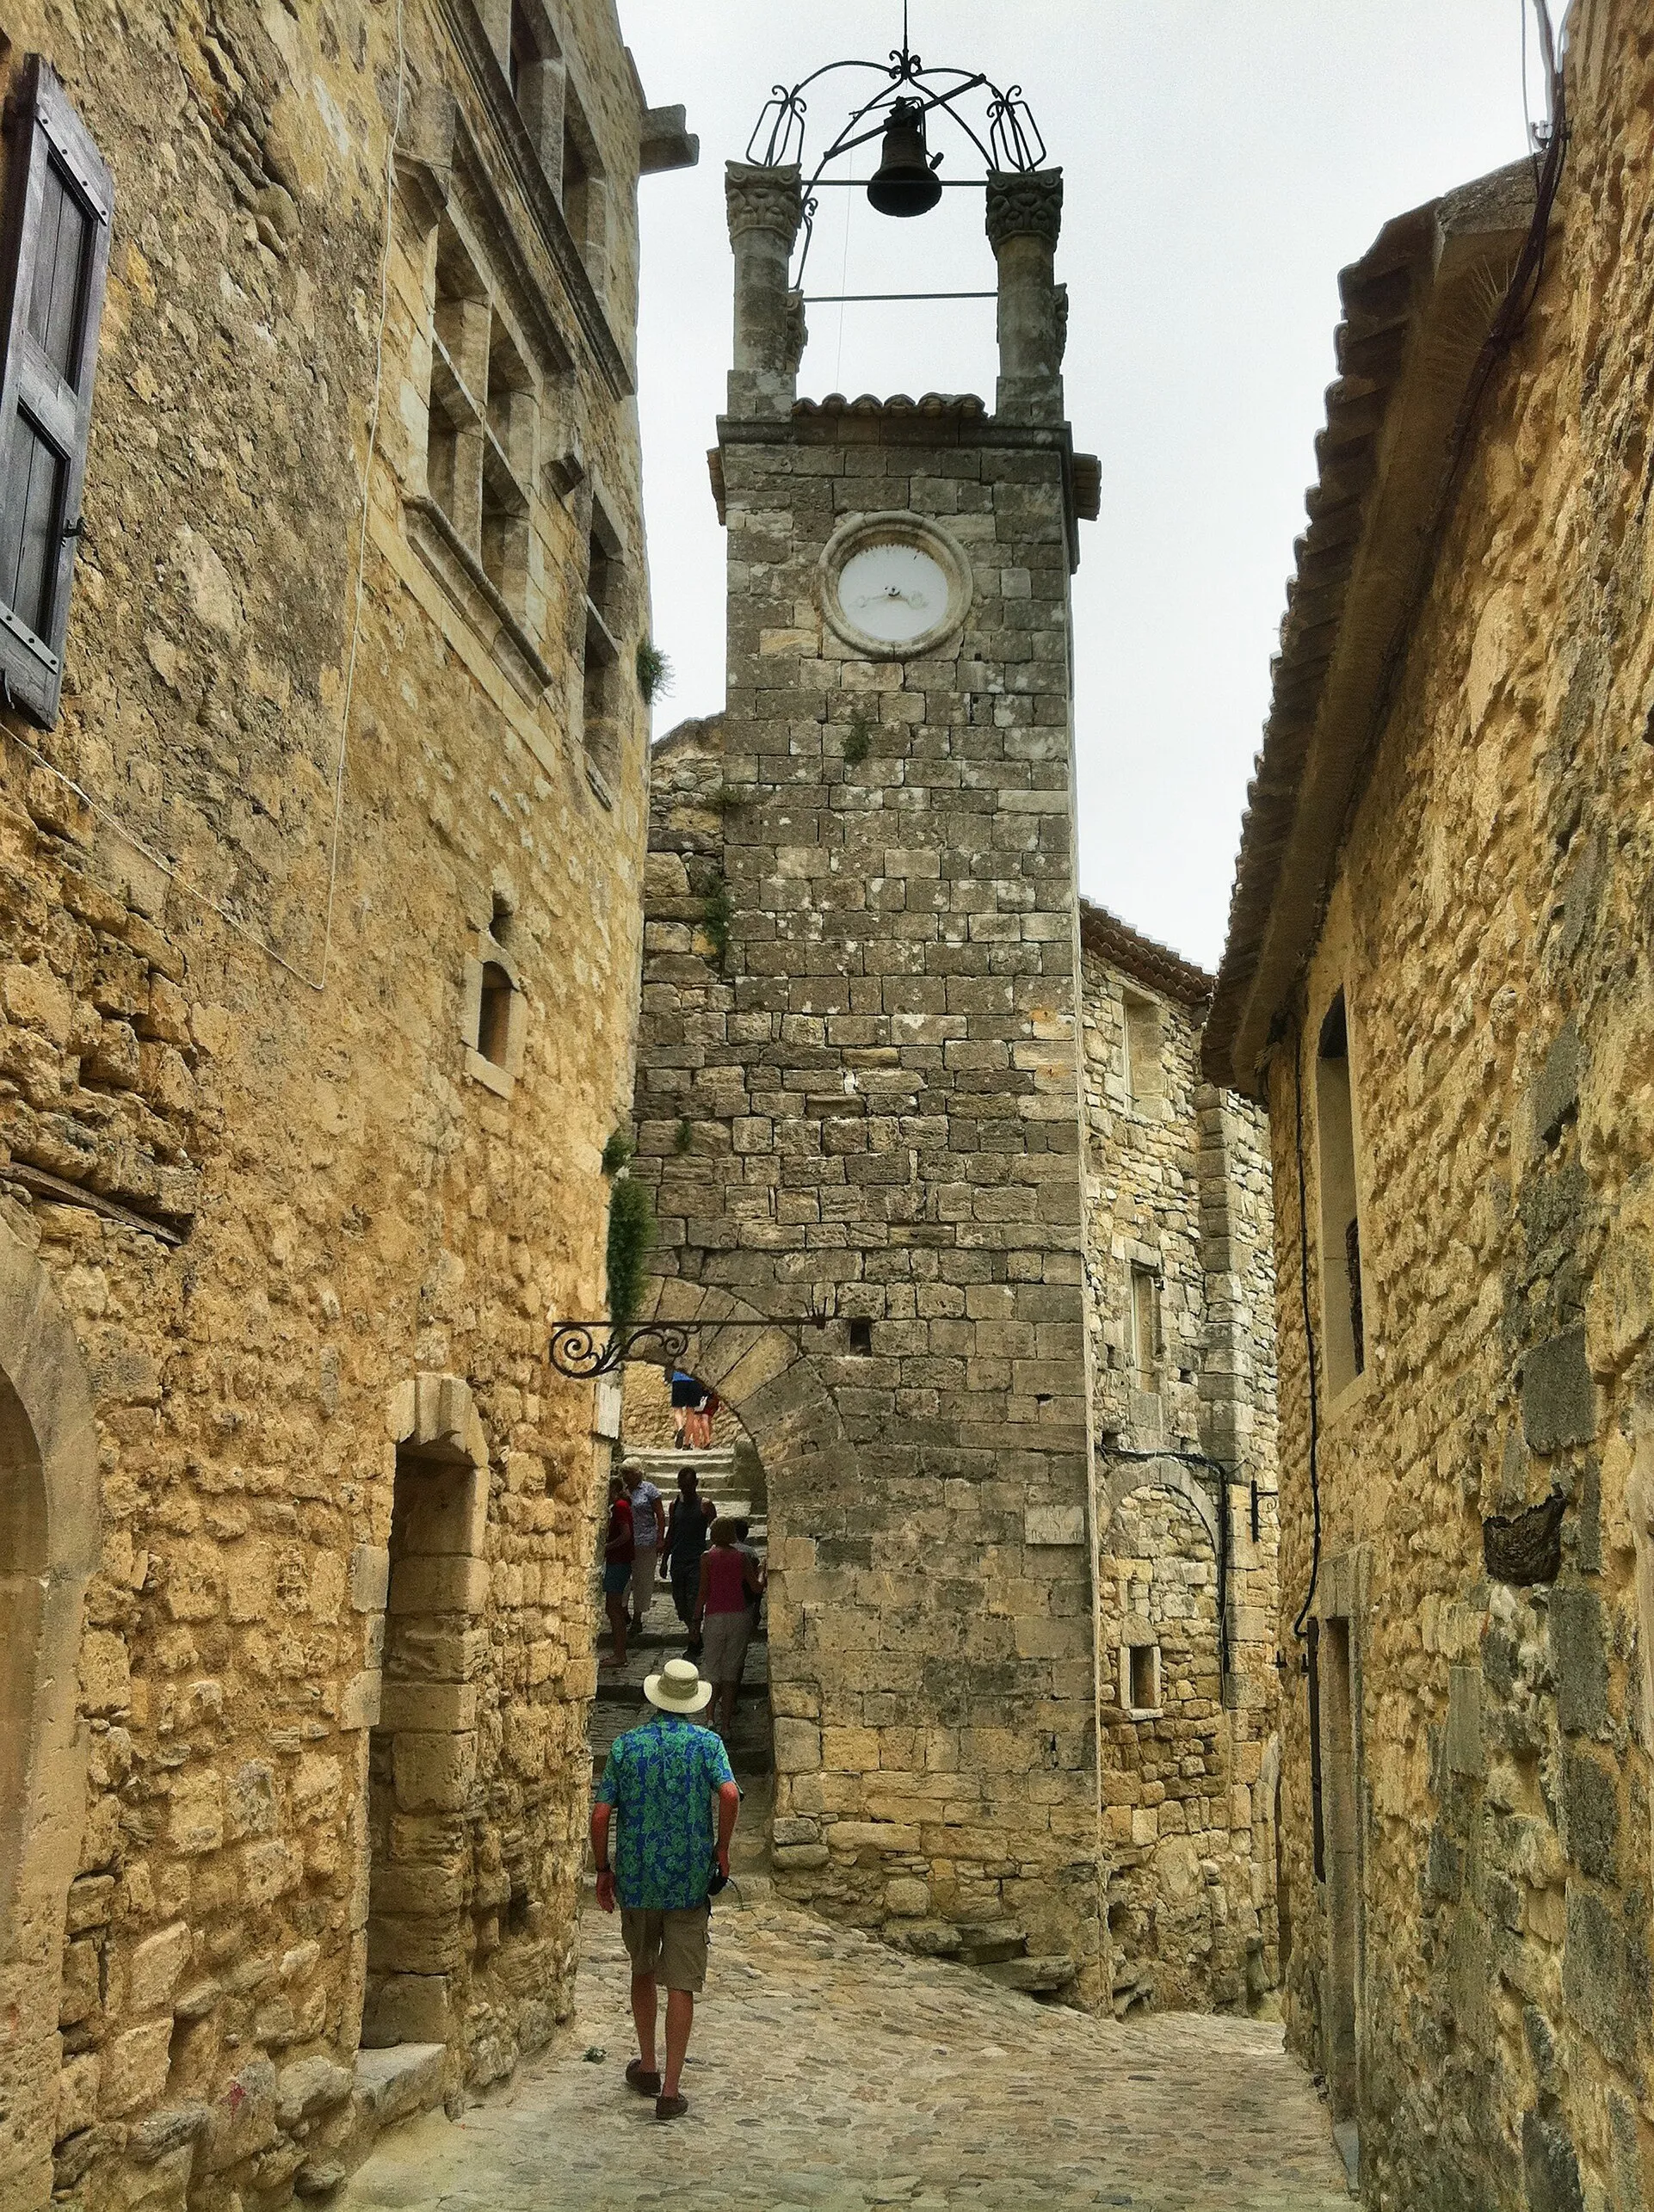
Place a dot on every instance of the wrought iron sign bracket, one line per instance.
(584, 1350)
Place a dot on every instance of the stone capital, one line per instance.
(1024, 203)
(759, 199)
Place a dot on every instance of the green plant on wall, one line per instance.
(631, 1234)
(654, 672)
(685, 1137)
(717, 915)
(858, 743)
(617, 1150)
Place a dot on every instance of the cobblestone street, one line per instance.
(829, 2074)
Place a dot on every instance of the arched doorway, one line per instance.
(776, 1455)
(48, 1547)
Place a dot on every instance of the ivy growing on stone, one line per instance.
(631, 1234)
(654, 672)
(617, 1150)
(858, 743)
(717, 915)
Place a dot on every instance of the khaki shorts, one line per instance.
(672, 1946)
(723, 1640)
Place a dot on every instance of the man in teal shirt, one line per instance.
(661, 1778)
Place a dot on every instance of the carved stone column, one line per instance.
(765, 208)
(1025, 213)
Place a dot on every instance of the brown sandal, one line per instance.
(645, 2079)
(671, 2108)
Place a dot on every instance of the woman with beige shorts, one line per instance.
(730, 1580)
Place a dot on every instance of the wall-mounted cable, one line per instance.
(1309, 1335)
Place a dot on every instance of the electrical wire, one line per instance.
(1224, 1469)
(1309, 1336)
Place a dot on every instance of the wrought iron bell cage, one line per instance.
(996, 122)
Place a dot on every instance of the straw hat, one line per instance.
(678, 1688)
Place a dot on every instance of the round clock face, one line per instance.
(895, 586)
(893, 592)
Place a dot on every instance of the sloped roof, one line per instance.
(1417, 308)
(1155, 966)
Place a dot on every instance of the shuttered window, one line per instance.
(53, 263)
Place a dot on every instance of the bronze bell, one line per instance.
(904, 182)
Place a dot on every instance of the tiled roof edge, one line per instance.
(1387, 294)
(1156, 966)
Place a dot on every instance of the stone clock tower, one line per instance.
(859, 1107)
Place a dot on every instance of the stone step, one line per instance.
(656, 1460)
(1034, 1976)
(401, 2080)
(992, 1942)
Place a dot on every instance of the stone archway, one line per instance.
(49, 1524)
(759, 1370)
(1164, 1742)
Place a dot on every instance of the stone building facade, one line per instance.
(860, 998)
(1179, 1266)
(859, 1112)
(319, 905)
(1438, 974)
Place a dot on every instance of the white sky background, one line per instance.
(1222, 160)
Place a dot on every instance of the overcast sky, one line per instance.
(1222, 160)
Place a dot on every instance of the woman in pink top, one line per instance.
(729, 1581)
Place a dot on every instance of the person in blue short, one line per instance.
(663, 1779)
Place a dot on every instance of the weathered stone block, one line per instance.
(135, 2068)
(433, 1773)
(797, 1747)
(370, 1577)
(1055, 1525)
(1590, 1814)
(1559, 1395)
(1579, 1654)
(155, 1966)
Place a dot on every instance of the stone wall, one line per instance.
(1179, 1272)
(301, 1214)
(1473, 1970)
(858, 992)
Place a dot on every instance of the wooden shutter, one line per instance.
(55, 260)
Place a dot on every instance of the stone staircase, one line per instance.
(998, 1950)
(719, 1480)
(620, 1703)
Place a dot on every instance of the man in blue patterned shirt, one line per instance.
(662, 1779)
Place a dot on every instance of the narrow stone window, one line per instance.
(508, 464)
(525, 55)
(455, 438)
(600, 673)
(1145, 1330)
(494, 1027)
(1144, 1053)
(582, 192)
(1141, 1673)
(494, 1014)
(861, 1338)
(1343, 1318)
